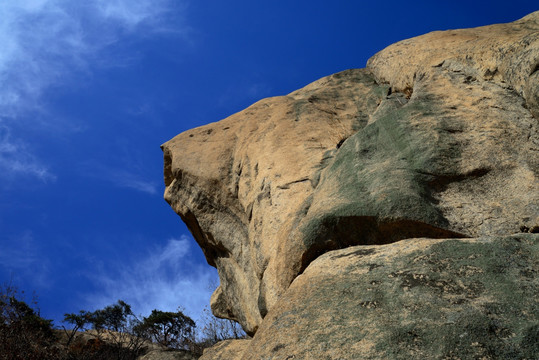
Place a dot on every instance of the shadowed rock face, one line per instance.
(437, 138)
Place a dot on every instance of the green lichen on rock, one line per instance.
(468, 300)
(416, 299)
(379, 177)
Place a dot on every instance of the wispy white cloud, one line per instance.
(22, 256)
(15, 159)
(132, 180)
(165, 279)
(131, 176)
(133, 13)
(47, 43)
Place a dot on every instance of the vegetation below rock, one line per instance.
(113, 332)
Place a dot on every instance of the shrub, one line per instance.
(24, 334)
(171, 329)
(114, 333)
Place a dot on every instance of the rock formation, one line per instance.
(416, 299)
(438, 138)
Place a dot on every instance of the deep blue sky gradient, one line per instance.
(93, 90)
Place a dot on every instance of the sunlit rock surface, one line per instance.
(437, 138)
(415, 299)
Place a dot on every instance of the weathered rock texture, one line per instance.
(416, 299)
(168, 354)
(227, 350)
(437, 138)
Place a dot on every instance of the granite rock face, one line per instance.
(227, 350)
(168, 354)
(415, 299)
(437, 138)
(239, 184)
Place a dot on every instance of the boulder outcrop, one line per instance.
(227, 350)
(437, 138)
(415, 299)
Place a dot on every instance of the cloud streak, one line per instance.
(130, 176)
(48, 43)
(15, 159)
(166, 279)
(129, 181)
(133, 13)
(25, 259)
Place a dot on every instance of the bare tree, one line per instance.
(216, 329)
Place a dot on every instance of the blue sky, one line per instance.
(90, 89)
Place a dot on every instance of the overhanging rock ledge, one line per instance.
(437, 138)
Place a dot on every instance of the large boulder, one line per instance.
(416, 299)
(438, 137)
(239, 183)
